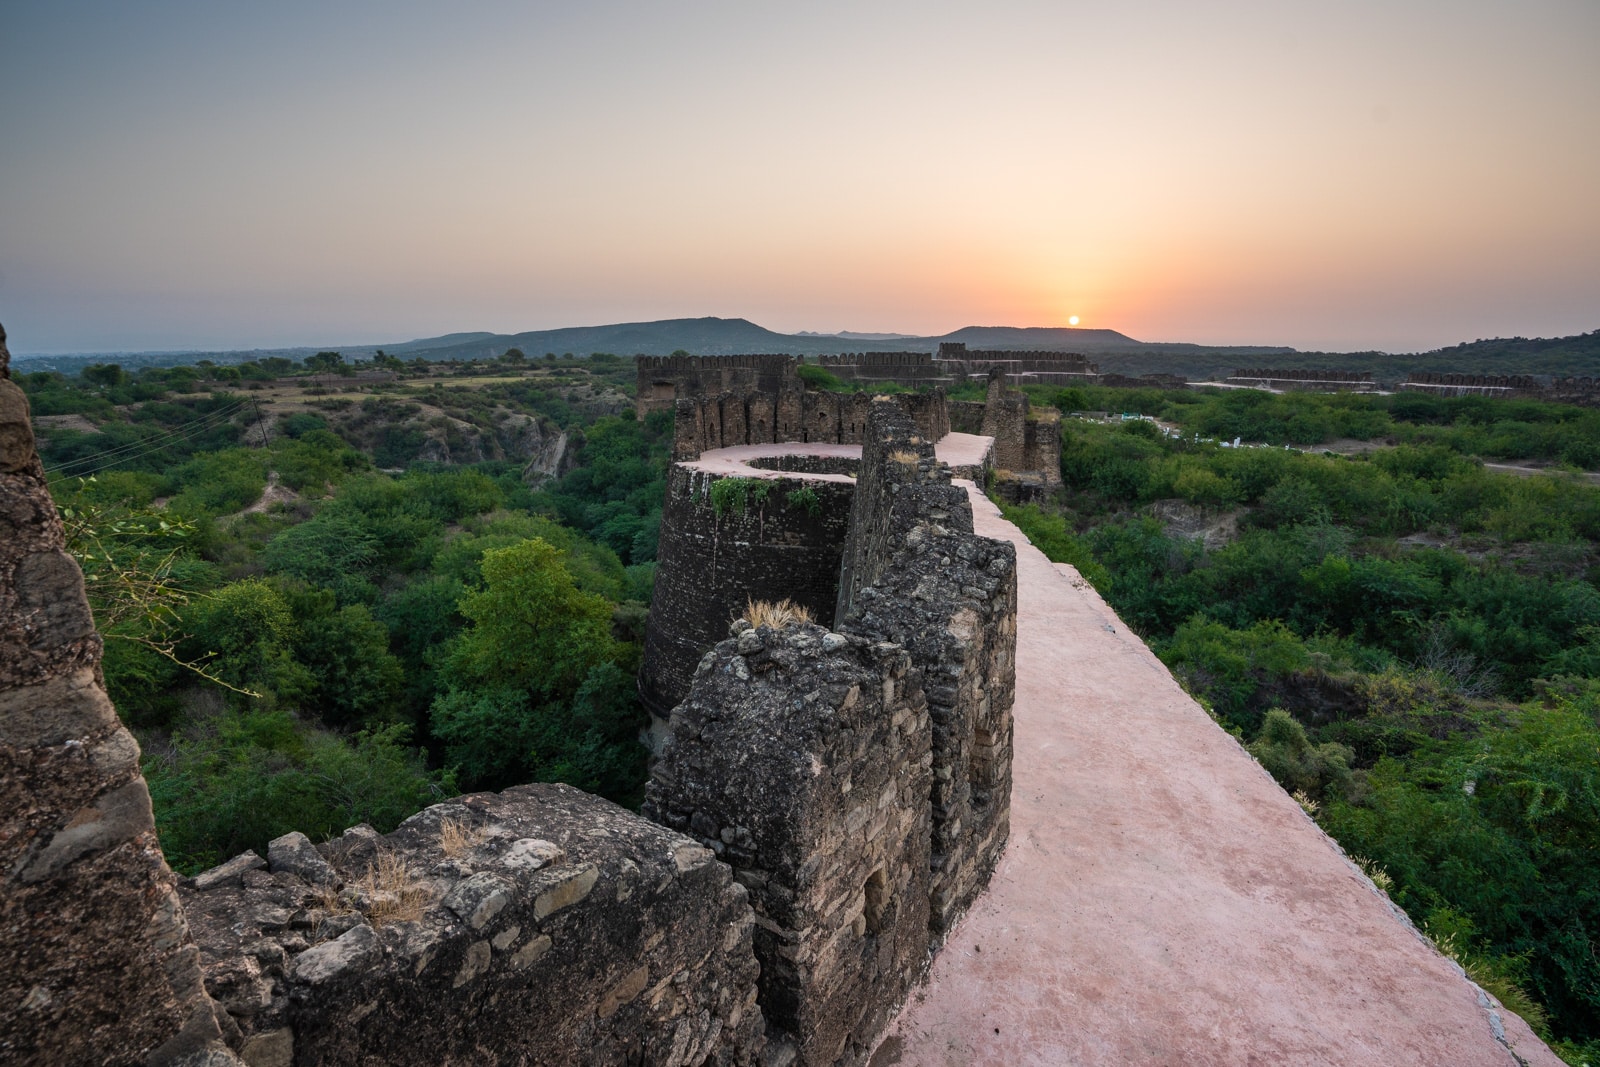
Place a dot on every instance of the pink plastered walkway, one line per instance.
(954, 450)
(1161, 900)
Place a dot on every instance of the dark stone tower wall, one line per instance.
(710, 565)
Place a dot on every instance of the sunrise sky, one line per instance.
(1395, 175)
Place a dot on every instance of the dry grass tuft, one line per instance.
(457, 838)
(328, 899)
(395, 894)
(905, 456)
(1381, 879)
(784, 613)
(1307, 805)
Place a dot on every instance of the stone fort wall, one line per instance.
(770, 915)
(895, 729)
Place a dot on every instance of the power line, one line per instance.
(183, 432)
(147, 445)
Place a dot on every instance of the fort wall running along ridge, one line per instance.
(821, 873)
(767, 914)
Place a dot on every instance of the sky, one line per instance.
(1399, 175)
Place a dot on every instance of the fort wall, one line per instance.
(97, 964)
(910, 532)
(1472, 384)
(802, 757)
(1026, 367)
(663, 379)
(791, 415)
(889, 740)
(828, 801)
(1305, 381)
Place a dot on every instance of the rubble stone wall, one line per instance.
(97, 965)
(720, 401)
(901, 485)
(539, 925)
(662, 380)
(915, 574)
(963, 643)
(1041, 445)
(859, 780)
(1005, 418)
(802, 758)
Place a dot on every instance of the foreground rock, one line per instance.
(539, 925)
(96, 964)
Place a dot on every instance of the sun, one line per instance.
(1072, 320)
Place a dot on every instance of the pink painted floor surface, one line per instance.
(1161, 900)
(955, 450)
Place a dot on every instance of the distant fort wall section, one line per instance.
(1502, 385)
(1305, 381)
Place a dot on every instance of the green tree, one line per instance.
(325, 363)
(532, 640)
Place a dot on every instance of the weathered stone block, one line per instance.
(798, 767)
(615, 946)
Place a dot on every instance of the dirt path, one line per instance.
(1162, 901)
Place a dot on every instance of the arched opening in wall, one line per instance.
(876, 892)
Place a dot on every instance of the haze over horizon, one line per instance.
(1396, 176)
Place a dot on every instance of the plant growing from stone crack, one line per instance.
(804, 499)
(776, 616)
(392, 892)
(129, 585)
(738, 495)
(457, 838)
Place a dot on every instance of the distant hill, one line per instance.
(1115, 352)
(716, 336)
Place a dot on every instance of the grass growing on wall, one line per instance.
(737, 495)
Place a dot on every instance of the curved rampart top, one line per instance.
(959, 451)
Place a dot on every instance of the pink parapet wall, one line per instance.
(1162, 900)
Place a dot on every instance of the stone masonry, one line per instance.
(950, 598)
(802, 757)
(863, 798)
(541, 925)
(97, 965)
(711, 565)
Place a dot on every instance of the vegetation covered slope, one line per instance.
(334, 604)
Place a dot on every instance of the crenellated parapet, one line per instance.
(662, 380)
(1501, 385)
(1026, 367)
(857, 777)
